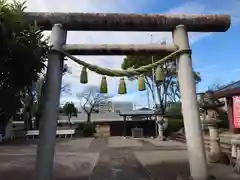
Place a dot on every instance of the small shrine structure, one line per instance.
(230, 94)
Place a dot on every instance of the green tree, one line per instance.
(69, 109)
(165, 91)
(23, 52)
(39, 94)
(28, 108)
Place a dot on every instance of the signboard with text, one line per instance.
(236, 111)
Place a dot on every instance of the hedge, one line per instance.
(174, 125)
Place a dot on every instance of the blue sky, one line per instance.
(214, 54)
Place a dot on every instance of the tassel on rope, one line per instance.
(84, 76)
(159, 75)
(103, 85)
(122, 88)
(141, 83)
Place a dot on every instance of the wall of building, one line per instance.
(122, 106)
(117, 128)
(109, 106)
(105, 106)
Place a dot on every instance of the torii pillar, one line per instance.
(48, 123)
(192, 125)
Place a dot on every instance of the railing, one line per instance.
(230, 146)
(225, 144)
(236, 154)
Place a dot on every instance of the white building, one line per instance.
(122, 106)
(110, 106)
(105, 106)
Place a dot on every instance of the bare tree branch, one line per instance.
(89, 100)
(86, 97)
(165, 89)
(151, 89)
(66, 88)
(96, 100)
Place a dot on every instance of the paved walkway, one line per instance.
(118, 165)
(121, 142)
(113, 158)
(124, 159)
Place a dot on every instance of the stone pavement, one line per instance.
(120, 142)
(72, 161)
(157, 142)
(118, 165)
(166, 165)
(111, 158)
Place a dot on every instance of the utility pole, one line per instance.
(148, 98)
(152, 79)
(153, 73)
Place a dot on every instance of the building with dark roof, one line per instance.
(227, 94)
(117, 124)
(229, 90)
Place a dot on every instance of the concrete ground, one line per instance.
(113, 158)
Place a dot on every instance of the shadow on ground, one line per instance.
(172, 170)
(59, 174)
(168, 170)
(24, 174)
(20, 142)
(74, 166)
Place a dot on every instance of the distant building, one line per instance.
(110, 106)
(105, 106)
(113, 124)
(122, 106)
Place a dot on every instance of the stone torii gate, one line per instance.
(179, 25)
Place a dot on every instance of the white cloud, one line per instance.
(124, 6)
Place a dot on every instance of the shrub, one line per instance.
(224, 124)
(86, 129)
(174, 108)
(174, 125)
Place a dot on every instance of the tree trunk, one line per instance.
(29, 119)
(69, 120)
(4, 119)
(151, 89)
(3, 124)
(37, 120)
(88, 118)
(40, 101)
(162, 99)
(25, 115)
